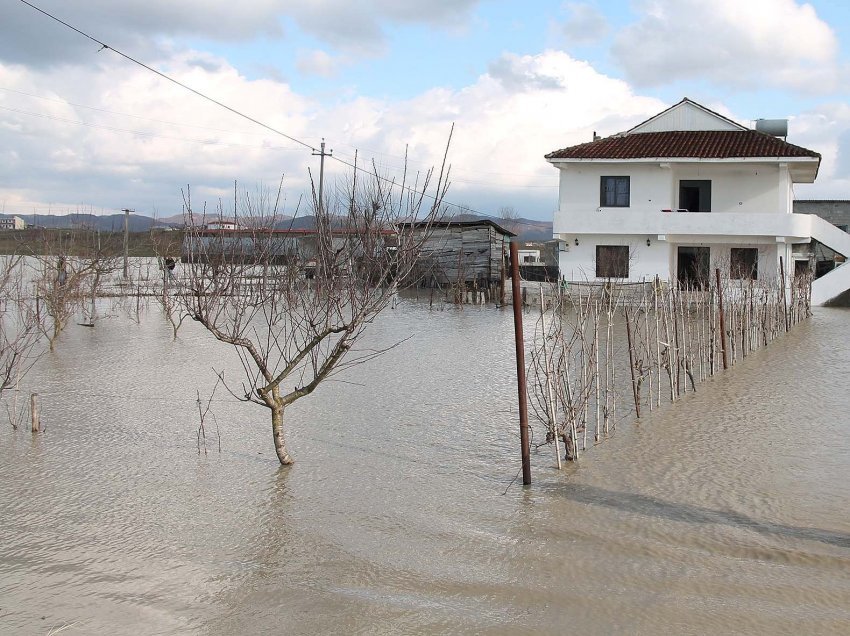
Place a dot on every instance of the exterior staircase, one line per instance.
(833, 287)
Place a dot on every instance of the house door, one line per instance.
(695, 196)
(692, 267)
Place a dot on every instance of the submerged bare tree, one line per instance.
(19, 323)
(294, 304)
(69, 268)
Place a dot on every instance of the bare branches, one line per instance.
(659, 339)
(293, 301)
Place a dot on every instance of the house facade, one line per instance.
(13, 223)
(683, 193)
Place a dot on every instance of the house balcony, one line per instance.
(791, 227)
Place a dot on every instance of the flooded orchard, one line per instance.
(725, 512)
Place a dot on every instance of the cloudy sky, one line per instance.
(83, 129)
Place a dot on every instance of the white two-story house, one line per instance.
(684, 192)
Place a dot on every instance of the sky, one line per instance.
(85, 130)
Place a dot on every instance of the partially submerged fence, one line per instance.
(601, 352)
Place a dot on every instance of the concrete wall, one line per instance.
(578, 262)
(735, 187)
(836, 212)
(751, 188)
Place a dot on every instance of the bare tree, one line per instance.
(19, 323)
(69, 268)
(294, 304)
(165, 291)
(509, 218)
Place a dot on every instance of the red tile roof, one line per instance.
(697, 144)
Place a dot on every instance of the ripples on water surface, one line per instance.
(726, 513)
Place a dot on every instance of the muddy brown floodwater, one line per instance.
(727, 512)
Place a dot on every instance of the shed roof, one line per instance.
(460, 224)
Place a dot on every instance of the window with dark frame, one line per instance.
(612, 261)
(614, 192)
(744, 263)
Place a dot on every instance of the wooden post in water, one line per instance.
(126, 242)
(632, 362)
(502, 276)
(522, 387)
(34, 414)
(722, 321)
(784, 297)
(549, 390)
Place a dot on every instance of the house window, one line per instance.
(612, 261)
(745, 263)
(614, 192)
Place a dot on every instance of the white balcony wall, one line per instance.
(650, 187)
(749, 188)
(742, 187)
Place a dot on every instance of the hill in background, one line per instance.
(525, 229)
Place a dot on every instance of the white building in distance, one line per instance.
(13, 223)
(684, 192)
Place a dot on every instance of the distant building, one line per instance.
(13, 223)
(835, 211)
(222, 224)
(528, 255)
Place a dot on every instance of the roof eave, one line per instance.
(804, 160)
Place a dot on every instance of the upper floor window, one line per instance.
(614, 192)
(695, 195)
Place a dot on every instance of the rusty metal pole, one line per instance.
(722, 321)
(522, 388)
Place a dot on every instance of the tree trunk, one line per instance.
(277, 432)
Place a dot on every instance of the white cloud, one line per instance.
(505, 121)
(358, 27)
(317, 62)
(825, 129)
(29, 37)
(502, 131)
(585, 25)
(752, 44)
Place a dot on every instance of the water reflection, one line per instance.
(655, 507)
(721, 513)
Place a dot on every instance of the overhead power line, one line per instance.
(239, 113)
(169, 78)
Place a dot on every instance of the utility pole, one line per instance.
(522, 388)
(126, 241)
(322, 154)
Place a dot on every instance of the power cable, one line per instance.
(238, 113)
(169, 78)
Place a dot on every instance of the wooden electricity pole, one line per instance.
(126, 241)
(522, 387)
(322, 154)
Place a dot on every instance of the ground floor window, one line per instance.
(612, 261)
(745, 263)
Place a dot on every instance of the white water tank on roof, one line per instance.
(775, 127)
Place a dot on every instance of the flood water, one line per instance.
(724, 513)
